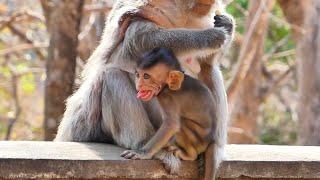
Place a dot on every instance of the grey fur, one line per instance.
(105, 107)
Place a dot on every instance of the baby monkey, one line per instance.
(187, 104)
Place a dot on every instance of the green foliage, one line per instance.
(4, 71)
(276, 125)
(236, 10)
(28, 83)
(277, 31)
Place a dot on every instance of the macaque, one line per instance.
(187, 104)
(105, 109)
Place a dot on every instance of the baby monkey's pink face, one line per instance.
(149, 82)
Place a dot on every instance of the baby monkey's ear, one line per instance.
(175, 80)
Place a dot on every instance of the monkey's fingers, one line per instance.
(129, 156)
(125, 153)
(132, 155)
(218, 12)
(135, 157)
(223, 20)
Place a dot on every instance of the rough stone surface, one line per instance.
(91, 160)
(26, 159)
(266, 161)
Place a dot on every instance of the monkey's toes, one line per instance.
(130, 156)
(126, 154)
(135, 157)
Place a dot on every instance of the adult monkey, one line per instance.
(105, 107)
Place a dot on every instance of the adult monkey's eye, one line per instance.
(146, 76)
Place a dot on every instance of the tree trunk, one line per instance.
(63, 22)
(308, 62)
(294, 11)
(244, 93)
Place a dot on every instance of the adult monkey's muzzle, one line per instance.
(208, 2)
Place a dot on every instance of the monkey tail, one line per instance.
(210, 163)
(222, 111)
(216, 153)
(171, 162)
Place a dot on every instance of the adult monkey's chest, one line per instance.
(188, 14)
(190, 61)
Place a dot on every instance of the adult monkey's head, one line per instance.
(177, 11)
(197, 7)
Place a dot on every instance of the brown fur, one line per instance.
(188, 110)
(188, 124)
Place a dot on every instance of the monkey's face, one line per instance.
(178, 11)
(150, 81)
(197, 7)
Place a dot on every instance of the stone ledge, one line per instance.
(26, 159)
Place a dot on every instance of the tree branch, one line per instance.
(97, 8)
(23, 37)
(47, 6)
(17, 107)
(275, 48)
(21, 47)
(19, 16)
(265, 92)
(246, 56)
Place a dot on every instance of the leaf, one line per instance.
(28, 83)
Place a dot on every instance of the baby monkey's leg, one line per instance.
(180, 153)
(186, 151)
(190, 155)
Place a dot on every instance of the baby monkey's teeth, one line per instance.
(140, 94)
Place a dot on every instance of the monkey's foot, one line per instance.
(171, 148)
(135, 154)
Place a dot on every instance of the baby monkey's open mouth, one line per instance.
(145, 95)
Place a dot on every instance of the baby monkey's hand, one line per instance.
(135, 154)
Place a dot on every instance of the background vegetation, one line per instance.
(264, 70)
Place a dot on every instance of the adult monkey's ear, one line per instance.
(175, 80)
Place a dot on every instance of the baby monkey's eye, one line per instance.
(146, 76)
(137, 74)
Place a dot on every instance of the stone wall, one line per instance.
(26, 159)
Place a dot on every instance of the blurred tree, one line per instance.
(304, 17)
(244, 92)
(63, 23)
(92, 31)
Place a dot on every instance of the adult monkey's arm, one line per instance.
(145, 35)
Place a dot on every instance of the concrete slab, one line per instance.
(39, 159)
